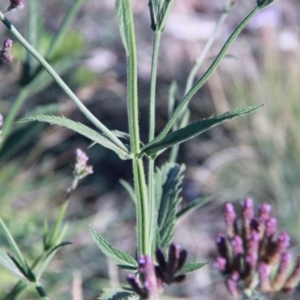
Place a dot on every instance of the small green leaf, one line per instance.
(159, 12)
(124, 19)
(193, 130)
(263, 3)
(129, 190)
(47, 257)
(191, 206)
(190, 267)
(8, 264)
(168, 179)
(117, 294)
(81, 129)
(121, 258)
(173, 98)
(19, 257)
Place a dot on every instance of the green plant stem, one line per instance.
(63, 28)
(207, 47)
(12, 113)
(153, 86)
(151, 162)
(198, 63)
(133, 121)
(61, 83)
(182, 105)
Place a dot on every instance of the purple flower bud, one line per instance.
(264, 212)
(230, 219)
(283, 242)
(271, 227)
(264, 277)
(237, 245)
(81, 169)
(15, 4)
(220, 264)
(232, 286)
(248, 211)
(282, 271)
(293, 280)
(5, 53)
(222, 246)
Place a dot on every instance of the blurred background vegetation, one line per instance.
(255, 156)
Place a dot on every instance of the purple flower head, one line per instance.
(81, 169)
(167, 269)
(15, 4)
(247, 258)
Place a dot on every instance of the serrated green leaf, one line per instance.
(263, 3)
(9, 265)
(123, 16)
(193, 130)
(81, 129)
(117, 294)
(191, 206)
(168, 179)
(121, 258)
(190, 267)
(129, 190)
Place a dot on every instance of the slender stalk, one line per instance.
(198, 63)
(182, 105)
(153, 86)
(133, 121)
(207, 47)
(61, 83)
(63, 28)
(12, 112)
(151, 163)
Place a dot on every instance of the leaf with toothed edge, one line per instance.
(121, 258)
(117, 294)
(81, 129)
(190, 267)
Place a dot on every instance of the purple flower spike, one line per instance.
(264, 212)
(293, 280)
(246, 258)
(230, 219)
(166, 270)
(282, 272)
(248, 211)
(5, 53)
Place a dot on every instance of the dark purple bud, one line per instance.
(293, 280)
(230, 219)
(160, 257)
(136, 287)
(179, 278)
(174, 251)
(221, 242)
(182, 259)
(15, 4)
(282, 271)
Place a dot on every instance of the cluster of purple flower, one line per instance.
(153, 277)
(252, 255)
